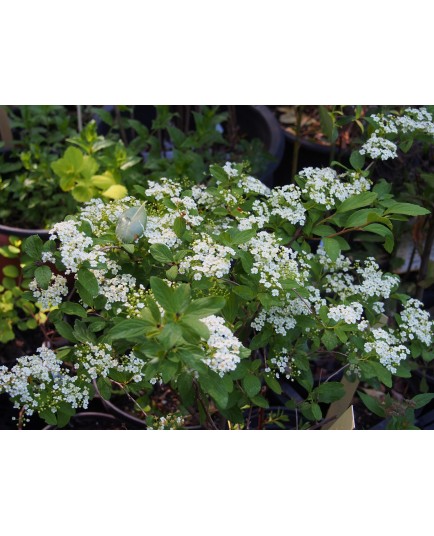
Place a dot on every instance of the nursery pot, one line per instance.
(254, 122)
(310, 154)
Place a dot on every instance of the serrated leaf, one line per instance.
(43, 276)
(89, 281)
(332, 248)
(251, 385)
(357, 160)
(161, 253)
(33, 247)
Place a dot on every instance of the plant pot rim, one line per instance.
(313, 146)
(19, 231)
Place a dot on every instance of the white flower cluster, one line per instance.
(378, 147)
(273, 262)
(53, 295)
(115, 289)
(251, 185)
(159, 230)
(95, 359)
(230, 169)
(416, 323)
(74, 245)
(411, 120)
(373, 282)
(37, 382)
(282, 318)
(385, 347)
(286, 202)
(258, 215)
(134, 365)
(101, 216)
(282, 364)
(222, 347)
(350, 314)
(326, 187)
(163, 188)
(209, 259)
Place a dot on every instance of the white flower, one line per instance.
(377, 147)
(385, 346)
(95, 359)
(350, 314)
(209, 259)
(326, 187)
(223, 347)
(53, 295)
(416, 323)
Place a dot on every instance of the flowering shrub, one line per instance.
(223, 291)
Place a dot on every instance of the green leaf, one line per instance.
(186, 389)
(43, 276)
(128, 329)
(206, 306)
(170, 335)
(218, 173)
(357, 201)
(71, 308)
(332, 248)
(372, 404)
(65, 330)
(260, 401)
(272, 383)
(179, 227)
(244, 292)
(191, 324)
(330, 340)
(104, 387)
(33, 247)
(327, 124)
(161, 253)
(89, 281)
(381, 230)
(11, 271)
(251, 385)
(422, 400)
(172, 273)
(329, 392)
(361, 217)
(323, 230)
(163, 294)
(48, 416)
(357, 160)
(407, 209)
(316, 411)
(84, 294)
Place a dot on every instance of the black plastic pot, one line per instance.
(254, 121)
(310, 154)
